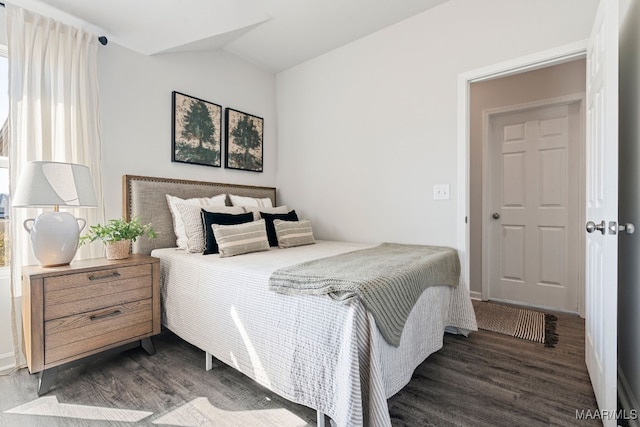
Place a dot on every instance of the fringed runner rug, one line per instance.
(517, 322)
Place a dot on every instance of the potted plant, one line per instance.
(117, 235)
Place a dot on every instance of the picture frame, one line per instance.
(244, 141)
(196, 130)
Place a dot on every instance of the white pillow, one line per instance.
(250, 201)
(178, 224)
(256, 211)
(241, 238)
(193, 226)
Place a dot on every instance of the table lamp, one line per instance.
(54, 235)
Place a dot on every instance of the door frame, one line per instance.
(558, 55)
(487, 115)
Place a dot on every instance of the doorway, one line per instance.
(598, 306)
(518, 90)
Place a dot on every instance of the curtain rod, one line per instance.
(102, 39)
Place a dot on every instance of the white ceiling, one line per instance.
(273, 34)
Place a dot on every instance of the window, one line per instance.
(5, 207)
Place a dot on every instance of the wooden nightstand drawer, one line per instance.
(82, 292)
(104, 275)
(71, 336)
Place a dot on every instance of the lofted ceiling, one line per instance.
(273, 34)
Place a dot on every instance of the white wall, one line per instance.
(629, 210)
(135, 102)
(365, 131)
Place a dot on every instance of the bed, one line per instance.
(308, 349)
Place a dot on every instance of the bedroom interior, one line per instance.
(356, 137)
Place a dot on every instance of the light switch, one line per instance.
(441, 192)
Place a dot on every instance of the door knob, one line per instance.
(592, 226)
(628, 228)
(495, 215)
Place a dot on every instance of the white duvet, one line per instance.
(308, 349)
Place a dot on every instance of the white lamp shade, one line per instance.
(43, 184)
(54, 235)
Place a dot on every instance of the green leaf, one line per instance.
(118, 229)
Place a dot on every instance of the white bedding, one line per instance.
(308, 349)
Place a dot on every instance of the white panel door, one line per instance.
(601, 287)
(534, 204)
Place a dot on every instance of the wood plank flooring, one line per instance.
(485, 379)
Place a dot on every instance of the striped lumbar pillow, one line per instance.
(293, 233)
(241, 238)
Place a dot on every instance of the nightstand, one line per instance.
(85, 308)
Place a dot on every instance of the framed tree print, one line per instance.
(196, 130)
(243, 148)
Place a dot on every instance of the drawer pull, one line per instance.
(105, 276)
(105, 315)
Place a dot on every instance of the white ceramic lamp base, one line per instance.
(54, 237)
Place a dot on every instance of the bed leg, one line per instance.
(323, 420)
(208, 361)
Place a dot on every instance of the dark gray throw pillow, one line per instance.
(271, 230)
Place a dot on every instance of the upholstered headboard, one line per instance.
(145, 198)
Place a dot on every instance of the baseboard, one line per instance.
(627, 400)
(532, 306)
(7, 361)
(475, 295)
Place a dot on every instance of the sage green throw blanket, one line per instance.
(388, 279)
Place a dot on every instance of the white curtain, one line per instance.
(53, 115)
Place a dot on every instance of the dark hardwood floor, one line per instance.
(490, 379)
(486, 379)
